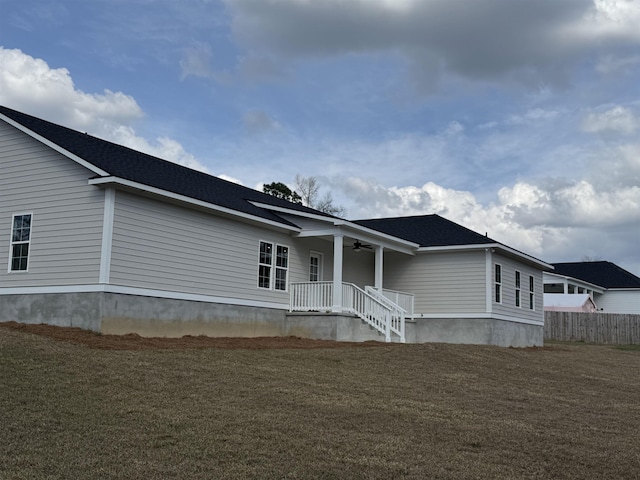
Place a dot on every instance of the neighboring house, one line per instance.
(105, 238)
(612, 288)
(561, 302)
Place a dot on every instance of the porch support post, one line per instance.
(338, 242)
(378, 269)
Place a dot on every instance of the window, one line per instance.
(282, 267)
(315, 267)
(273, 274)
(20, 240)
(498, 282)
(264, 265)
(532, 297)
(518, 289)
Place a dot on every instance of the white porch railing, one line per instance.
(371, 306)
(402, 299)
(311, 297)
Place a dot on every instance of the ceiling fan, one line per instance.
(357, 246)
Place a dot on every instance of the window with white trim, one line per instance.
(498, 283)
(265, 262)
(282, 267)
(20, 243)
(518, 290)
(532, 296)
(273, 270)
(315, 267)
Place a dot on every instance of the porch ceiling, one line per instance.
(366, 238)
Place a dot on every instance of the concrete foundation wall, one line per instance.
(118, 314)
(82, 310)
(112, 313)
(479, 331)
(162, 317)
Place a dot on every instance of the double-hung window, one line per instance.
(498, 283)
(532, 295)
(20, 242)
(518, 290)
(273, 266)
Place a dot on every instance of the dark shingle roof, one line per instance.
(602, 273)
(139, 167)
(427, 230)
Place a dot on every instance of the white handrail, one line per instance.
(402, 299)
(397, 313)
(371, 306)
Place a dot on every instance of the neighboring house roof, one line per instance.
(427, 230)
(602, 273)
(128, 164)
(559, 302)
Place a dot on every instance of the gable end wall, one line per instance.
(67, 213)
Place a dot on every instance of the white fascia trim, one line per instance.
(337, 222)
(54, 146)
(111, 180)
(494, 316)
(576, 281)
(298, 213)
(143, 292)
(483, 246)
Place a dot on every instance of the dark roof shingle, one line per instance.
(139, 167)
(602, 273)
(427, 230)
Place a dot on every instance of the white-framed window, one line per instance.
(532, 293)
(315, 267)
(273, 266)
(282, 267)
(498, 283)
(518, 290)
(265, 263)
(20, 242)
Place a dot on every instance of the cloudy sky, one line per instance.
(519, 118)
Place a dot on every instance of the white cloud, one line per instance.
(616, 119)
(30, 85)
(555, 221)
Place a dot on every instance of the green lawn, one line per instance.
(413, 411)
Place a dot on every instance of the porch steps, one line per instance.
(342, 327)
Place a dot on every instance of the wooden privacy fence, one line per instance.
(611, 328)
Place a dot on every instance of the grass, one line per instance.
(412, 411)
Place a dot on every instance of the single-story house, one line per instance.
(113, 240)
(560, 302)
(612, 288)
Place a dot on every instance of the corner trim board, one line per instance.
(107, 235)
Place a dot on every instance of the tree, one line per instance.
(309, 189)
(280, 190)
(307, 193)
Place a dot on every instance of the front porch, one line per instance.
(383, 310)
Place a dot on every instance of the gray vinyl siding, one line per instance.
(162, 246)
(445, 283)
(508, 305)
(619, 301)
(67, 213)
